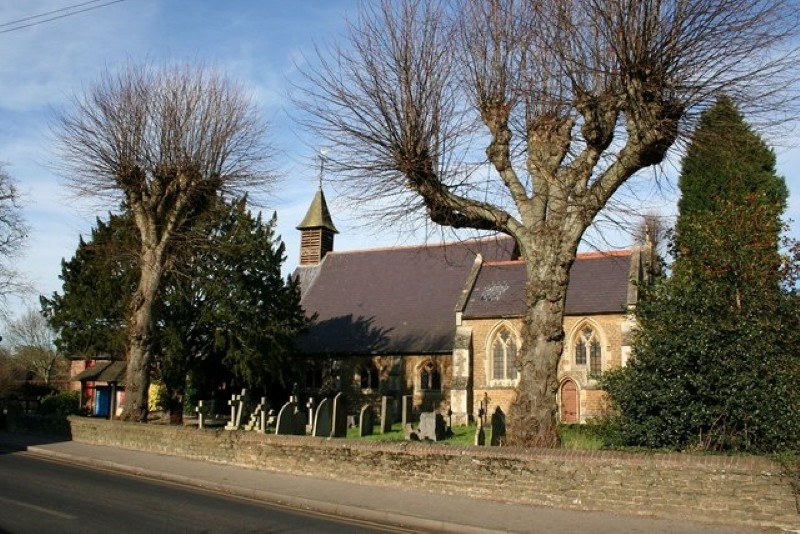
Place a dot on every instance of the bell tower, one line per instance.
(316, 231)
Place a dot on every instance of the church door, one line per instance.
(569, 402)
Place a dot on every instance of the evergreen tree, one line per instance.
(90, 315)
(714, 362)
(224, 316)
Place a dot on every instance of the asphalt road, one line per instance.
(43, 496)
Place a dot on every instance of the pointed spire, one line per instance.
(316, 231)
(318, 215)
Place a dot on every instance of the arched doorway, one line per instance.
(569, 402)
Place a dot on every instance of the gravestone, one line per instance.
(480, 436)
(286, 420)
(310, 405)
(339, 425)
(237, 407)
(366, 421)
(431, 426)
(201, 415)
(405, 413)
(498, 427)
(323, 419)
(386, 415)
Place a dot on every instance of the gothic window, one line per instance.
(504, 355)
(430, 378)
(369, 377)
(588, 351)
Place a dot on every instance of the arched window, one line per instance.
(369, 377)
(430, 378)
(504, 355)
(588, 351)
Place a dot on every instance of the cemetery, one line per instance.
(331, 418)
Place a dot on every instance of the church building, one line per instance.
(441, 322)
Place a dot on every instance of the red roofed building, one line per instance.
(442, 322)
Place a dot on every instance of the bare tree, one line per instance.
(162, 141)
(568, 99)
(31, 340)
(13, 232)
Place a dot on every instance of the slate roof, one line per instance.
(392, 300)
(103, 371)
(599, 283)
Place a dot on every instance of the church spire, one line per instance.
(316, 231)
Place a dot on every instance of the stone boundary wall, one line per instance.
(745, 490)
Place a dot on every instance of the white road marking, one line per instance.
(38, 508)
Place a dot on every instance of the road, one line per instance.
(43, 496)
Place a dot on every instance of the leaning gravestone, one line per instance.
(366, 421)
(286, 425)
(322, 420)
(431, 426)
(339, 425)
(498, 427)
(386, 415)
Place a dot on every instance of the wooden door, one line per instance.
(569, 402)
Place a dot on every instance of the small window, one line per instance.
(588, 351)
(430, 378)
(504, 356)
(369, 377)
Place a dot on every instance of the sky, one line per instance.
(257, 42)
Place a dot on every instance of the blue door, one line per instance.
(102, 401)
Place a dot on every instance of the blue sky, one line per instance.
(257, 42)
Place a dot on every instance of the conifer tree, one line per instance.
(715, 365)
(224, 315)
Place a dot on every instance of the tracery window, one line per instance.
(504, 355)
(588, 351)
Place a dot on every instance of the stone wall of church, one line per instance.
(591, 400)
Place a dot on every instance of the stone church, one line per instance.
(441, 323)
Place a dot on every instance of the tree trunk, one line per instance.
(533, 415)
(175, 400)
(137, 378)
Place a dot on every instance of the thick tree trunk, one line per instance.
(137, 378)
(533, 416)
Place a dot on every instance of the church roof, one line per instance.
(391, 300)
(318, 215)
(599, 283)
(404, 300)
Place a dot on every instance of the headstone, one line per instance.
(339, 425)
(258, 418)
(409, 432)
(237, 407)
(405, 413)
(498, 427)
(310, 405)
(431, 426)
(323, 419)
(201, 415)
(386, 415)
(480, 437)
(286, 424)
(366, 421)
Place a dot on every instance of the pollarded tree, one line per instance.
(225, 316)
(163, 141)
(569, 99)
(715, 365)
